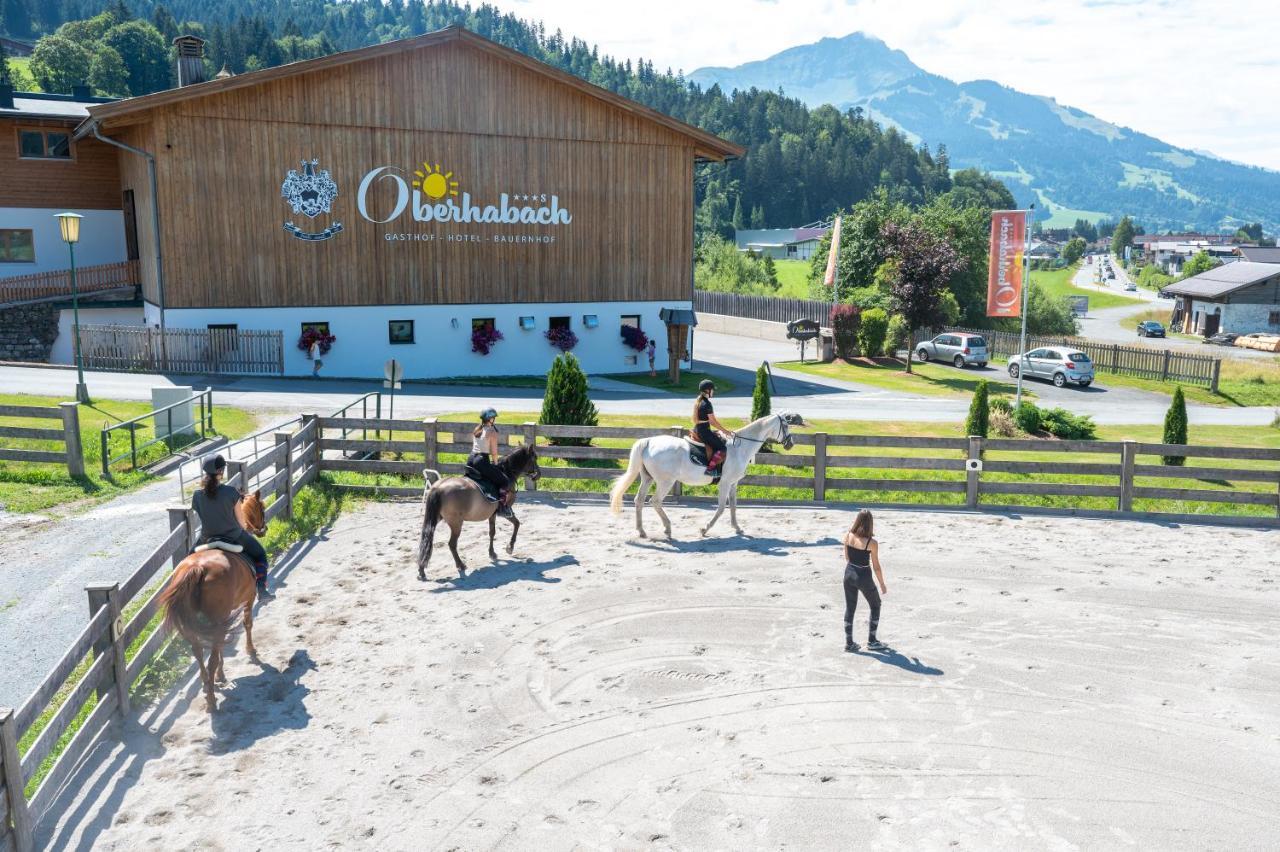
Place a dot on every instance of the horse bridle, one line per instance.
(787, 441)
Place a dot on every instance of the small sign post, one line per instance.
(803, 330)
(393, 372)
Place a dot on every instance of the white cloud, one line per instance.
(1195, 73)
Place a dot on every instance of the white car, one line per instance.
(1131, 287)
(1059, 365)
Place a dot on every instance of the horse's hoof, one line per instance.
(510, 550)
(642, 534)
(422, 576)
(703, 531)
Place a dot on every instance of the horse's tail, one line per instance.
(181, 602)
(431, 500)
(622, 483)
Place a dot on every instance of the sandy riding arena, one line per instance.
(1056, 683)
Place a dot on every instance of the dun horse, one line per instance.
(208, 591)
(459, 499)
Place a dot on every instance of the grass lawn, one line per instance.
(26, 487)
(1057, 282)
(793, 278)
(688, 381)
(928, 379)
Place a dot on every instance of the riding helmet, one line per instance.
(706, 385)
(213, 464)
(489, 414)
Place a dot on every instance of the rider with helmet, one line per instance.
(705, 424)
(484, 459)
(215, 503)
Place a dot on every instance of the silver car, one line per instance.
(957, 348)
(1061, 366)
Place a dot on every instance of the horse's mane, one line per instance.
(515, 461)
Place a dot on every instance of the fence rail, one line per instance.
(204, 424)
(765, 308)
(68, 414)
(106, 659)
(1141, 361)
(182, 350)
(42, 286)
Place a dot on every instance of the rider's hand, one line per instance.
(883, 589)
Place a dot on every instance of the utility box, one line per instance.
(179, 420)
(827, 346)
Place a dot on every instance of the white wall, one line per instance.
(64, 348)
(101, 239)
(1247, 319)
(439, 349)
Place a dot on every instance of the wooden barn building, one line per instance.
(400, 197)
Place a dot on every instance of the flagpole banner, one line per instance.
(830, 278)
(1004, 277)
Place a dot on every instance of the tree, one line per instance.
(1175, 426)
(845, 321)
(1085, 229)
(757, 217)
(976, 424)
(739, 224)
(872, 331)
(164, 22)
(1199, 262)
(6, 76)
(58, 63)
(994, 194)
(770, 271)
(146, 60)
(565, 402)
(760, 400)
(925, 263)
(107, 74)
(1123, 237)
(1073, 250)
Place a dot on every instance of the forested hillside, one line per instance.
(801, 164)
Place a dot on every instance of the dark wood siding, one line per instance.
(88, 181)
(1263, 293)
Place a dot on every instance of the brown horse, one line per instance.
(208, 591)
(459, 499)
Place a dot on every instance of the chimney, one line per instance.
(81, 92)
(190, 50)
(6, 96)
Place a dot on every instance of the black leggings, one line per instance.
(859, 580)
(709, 436)
(482, 465)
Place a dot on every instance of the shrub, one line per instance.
(761, 402)
(566, 402)
(1028, 418)
(979, 412)
(561, 338)
(1175, 426)
(871, 333)
(845, 320)
(898, 334)
(634, 337)
(1070, 427)
(1002, 424)
(1001, 405)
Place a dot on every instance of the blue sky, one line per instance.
(1197, 74)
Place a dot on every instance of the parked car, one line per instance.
(1163, 295)
(1111, 273)
(1060, 366)
(1222, 338)
(958, 348)
(1150, 328)
(1131, 287)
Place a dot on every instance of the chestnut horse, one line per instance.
(208, 591)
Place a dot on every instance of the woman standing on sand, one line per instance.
(861, 554)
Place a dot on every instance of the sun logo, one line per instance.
(435, 183)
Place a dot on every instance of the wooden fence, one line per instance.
(765, 308)
(182, 350)
(68, 413)
(117, 650)
(979, 472)
(46, 286)
(1142, 361)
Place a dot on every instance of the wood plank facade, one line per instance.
(497, 121)
(90, 180)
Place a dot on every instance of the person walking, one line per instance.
(215, 504)
(653, 354)
(484, 459)
(314, 354)
(861, 556)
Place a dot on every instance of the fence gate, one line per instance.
(220, 349)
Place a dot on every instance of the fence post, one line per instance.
(180, 516)
(1164, 368)
(71, 437)
(234, 469)
(1217, 369)
(973, 472)
(286, 440)
(11, 766)
(820, 467)
(677, 490)
(430, 443)
(106, 454)
(1128, 452)
(1115, 358)
(531, 438)
(108, 595)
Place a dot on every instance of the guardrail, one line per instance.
(204, 424)
(182, 350)
(68, 413)
(111, 652)
(975, 472)
(48, 286)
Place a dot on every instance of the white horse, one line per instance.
(664, 460)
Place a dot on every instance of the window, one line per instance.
(321, 327)
(482, 322)
(400, 331)
(632, 320)
(44, 144)
(557, 322)
(17, 246)
(1273, 318)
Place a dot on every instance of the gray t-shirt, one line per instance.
(218, 513)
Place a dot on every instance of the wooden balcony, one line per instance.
(52, 286)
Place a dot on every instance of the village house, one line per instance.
(1241, 298)
(782, 243)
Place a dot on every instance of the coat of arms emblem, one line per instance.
(310, 192)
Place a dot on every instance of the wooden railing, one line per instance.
(110, 654)
(767, 308)
(68, 433)
(45, 286)
(974, 473)
(182, 350)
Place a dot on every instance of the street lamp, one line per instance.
(70, 225)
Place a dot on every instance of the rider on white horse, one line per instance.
(705, 426)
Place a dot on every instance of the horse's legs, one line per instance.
(640, 493)
(515, 530)
(455, 530)
(248, 631)
(219, 675)
(206, 677)
(733, 509)
(493, 531)
(723, 499)
(660, 491)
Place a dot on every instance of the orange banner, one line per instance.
(830, 278)
(1004, 278)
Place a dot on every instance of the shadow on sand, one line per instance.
(763, 545)
(255, 707)
(894, 657)
(505, 571)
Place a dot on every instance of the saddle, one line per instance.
(219, 544)
(487, 488)
(698, 455)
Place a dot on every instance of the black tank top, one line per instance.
(858, 557)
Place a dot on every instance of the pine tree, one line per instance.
(1175, 426)
(6, 77)
(771, 271)
(566, 402)
(761, 401)
(738, 223)
(979, 412)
